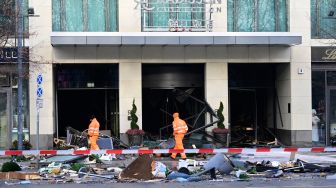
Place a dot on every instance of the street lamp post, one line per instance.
(19, 30)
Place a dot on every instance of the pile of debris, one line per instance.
(149, 168)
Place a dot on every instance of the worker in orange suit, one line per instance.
(180, 129)
(93, 133)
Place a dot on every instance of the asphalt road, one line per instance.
(274, 183)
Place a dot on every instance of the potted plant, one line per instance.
(220, 132)
(135, 135)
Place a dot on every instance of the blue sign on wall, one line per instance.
(39, 92)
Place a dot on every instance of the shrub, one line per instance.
(10, 167)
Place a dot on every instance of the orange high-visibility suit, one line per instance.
(180, 129)
(94, 133)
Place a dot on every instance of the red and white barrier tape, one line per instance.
(165, 151)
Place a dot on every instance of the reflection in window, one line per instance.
(319, 104)
(25, 110)
(8, 17)
(84, 15)
(323, 18)
(257, 15)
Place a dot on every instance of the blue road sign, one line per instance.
(39, 92)
(39, 79)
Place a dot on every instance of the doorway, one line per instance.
(85, 90)
(166, 89)
(252, 104)
(5, 118)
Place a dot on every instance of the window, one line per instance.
(84, 15)
(167, 15)
(323, 19)
(257, 16)
(8, 17)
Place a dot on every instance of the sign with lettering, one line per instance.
(323, 54)
(9, 55)
(178, 15)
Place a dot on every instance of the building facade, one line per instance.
(96, 57)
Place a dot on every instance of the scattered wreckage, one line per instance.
(150, 168)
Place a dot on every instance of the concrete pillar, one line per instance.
(129, 89)
(216, 84)
(41, 63)
(219, 16)
(300, 83)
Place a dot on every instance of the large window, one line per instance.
(171, 16)
(85, 15)
(257, 16)
(8, 16)
(323, 19)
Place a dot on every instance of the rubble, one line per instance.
(148, 168)
(221, 163)
(139, 169)
(19, 176)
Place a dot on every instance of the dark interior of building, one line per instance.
(165, 90)
(252, 102)
(85, 90)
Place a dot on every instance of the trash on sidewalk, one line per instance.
(84, 171)
(107, 157)
(63, 159)
(26, 182)
(220, 162)
(173, 175)
(242, 175)
(159, 170)
(52, 168)
(139, 169)
(274, 173)
(19, 175)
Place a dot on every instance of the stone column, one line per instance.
(216, 81)
(130, 86)
(41, 56)
(300, 82)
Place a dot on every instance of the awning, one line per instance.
(175, 38)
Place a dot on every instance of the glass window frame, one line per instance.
(233, 17)
(59, 19)
(147, 17)
(12, 31)
(317, 18)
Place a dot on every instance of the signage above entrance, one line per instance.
(323, 54)
(9, 55)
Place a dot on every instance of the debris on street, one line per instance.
(153, 167)
(140, 169)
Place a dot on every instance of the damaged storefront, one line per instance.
(254, 104)
(84, 90)
(324, 95)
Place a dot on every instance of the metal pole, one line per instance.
(37, 128)
(19, 26)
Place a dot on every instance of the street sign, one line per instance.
(39, 103)
(39, 79)
(39, 92)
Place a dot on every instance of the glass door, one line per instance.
(332, 114)
(4, 118)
